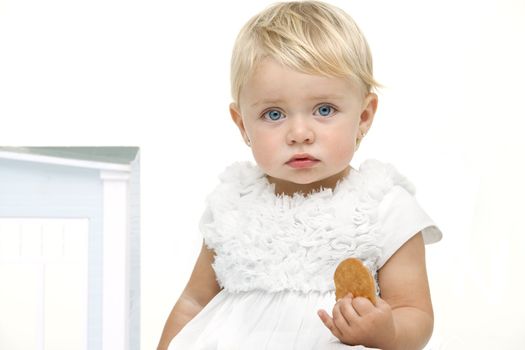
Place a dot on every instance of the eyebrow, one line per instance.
(309, 98)
(266, 102)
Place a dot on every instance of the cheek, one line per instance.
(265, 148)
(342, 147)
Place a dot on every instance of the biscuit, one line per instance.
(352, 276)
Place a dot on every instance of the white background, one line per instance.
(155, 74)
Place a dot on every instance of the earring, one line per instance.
(358, 140)
(248, 142)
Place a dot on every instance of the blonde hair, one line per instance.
(311, 37)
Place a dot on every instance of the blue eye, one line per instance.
(325, 110)
(273, 115)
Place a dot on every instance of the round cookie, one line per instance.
(352, 276)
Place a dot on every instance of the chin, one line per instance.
(305, 180)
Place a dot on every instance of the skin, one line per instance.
(282, 112)
(201, 288)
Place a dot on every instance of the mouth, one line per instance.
(302, 160)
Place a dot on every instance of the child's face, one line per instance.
(286, 114)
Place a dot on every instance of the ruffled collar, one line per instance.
(279, 242)
(249, 178)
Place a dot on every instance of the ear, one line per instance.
(368, 112)
(235, 113)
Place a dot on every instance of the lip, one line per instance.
(302, 160)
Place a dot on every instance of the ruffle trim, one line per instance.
(279, 242)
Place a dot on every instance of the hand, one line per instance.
(356, 321)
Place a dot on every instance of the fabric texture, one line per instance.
(275, 255)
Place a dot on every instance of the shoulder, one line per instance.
(241, 173)
(381, 178)
(235, 182)
(399, 214)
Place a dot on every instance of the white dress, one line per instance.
(275, 255)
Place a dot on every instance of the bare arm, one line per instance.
(404, 286)
(402, 318)
(201, 288)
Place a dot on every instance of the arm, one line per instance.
(402, 318)
(201, 288)
(404, 286)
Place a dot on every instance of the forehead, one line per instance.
(272, 80)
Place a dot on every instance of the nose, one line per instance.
(300, 131)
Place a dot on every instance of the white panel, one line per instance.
(9, 239)
(66, 288)
(43, 274)
(53, 240)
(20, 303)
(115, 312)
(31, 239)
(65, 307)
(74, 245)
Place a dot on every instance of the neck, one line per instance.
(283, 187)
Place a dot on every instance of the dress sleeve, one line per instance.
(401, 217)
(206, 229)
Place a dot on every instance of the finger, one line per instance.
(323, 315)
(348, 311)
(329, 323)
(362, 306)
(340, 322)
(349, 295)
